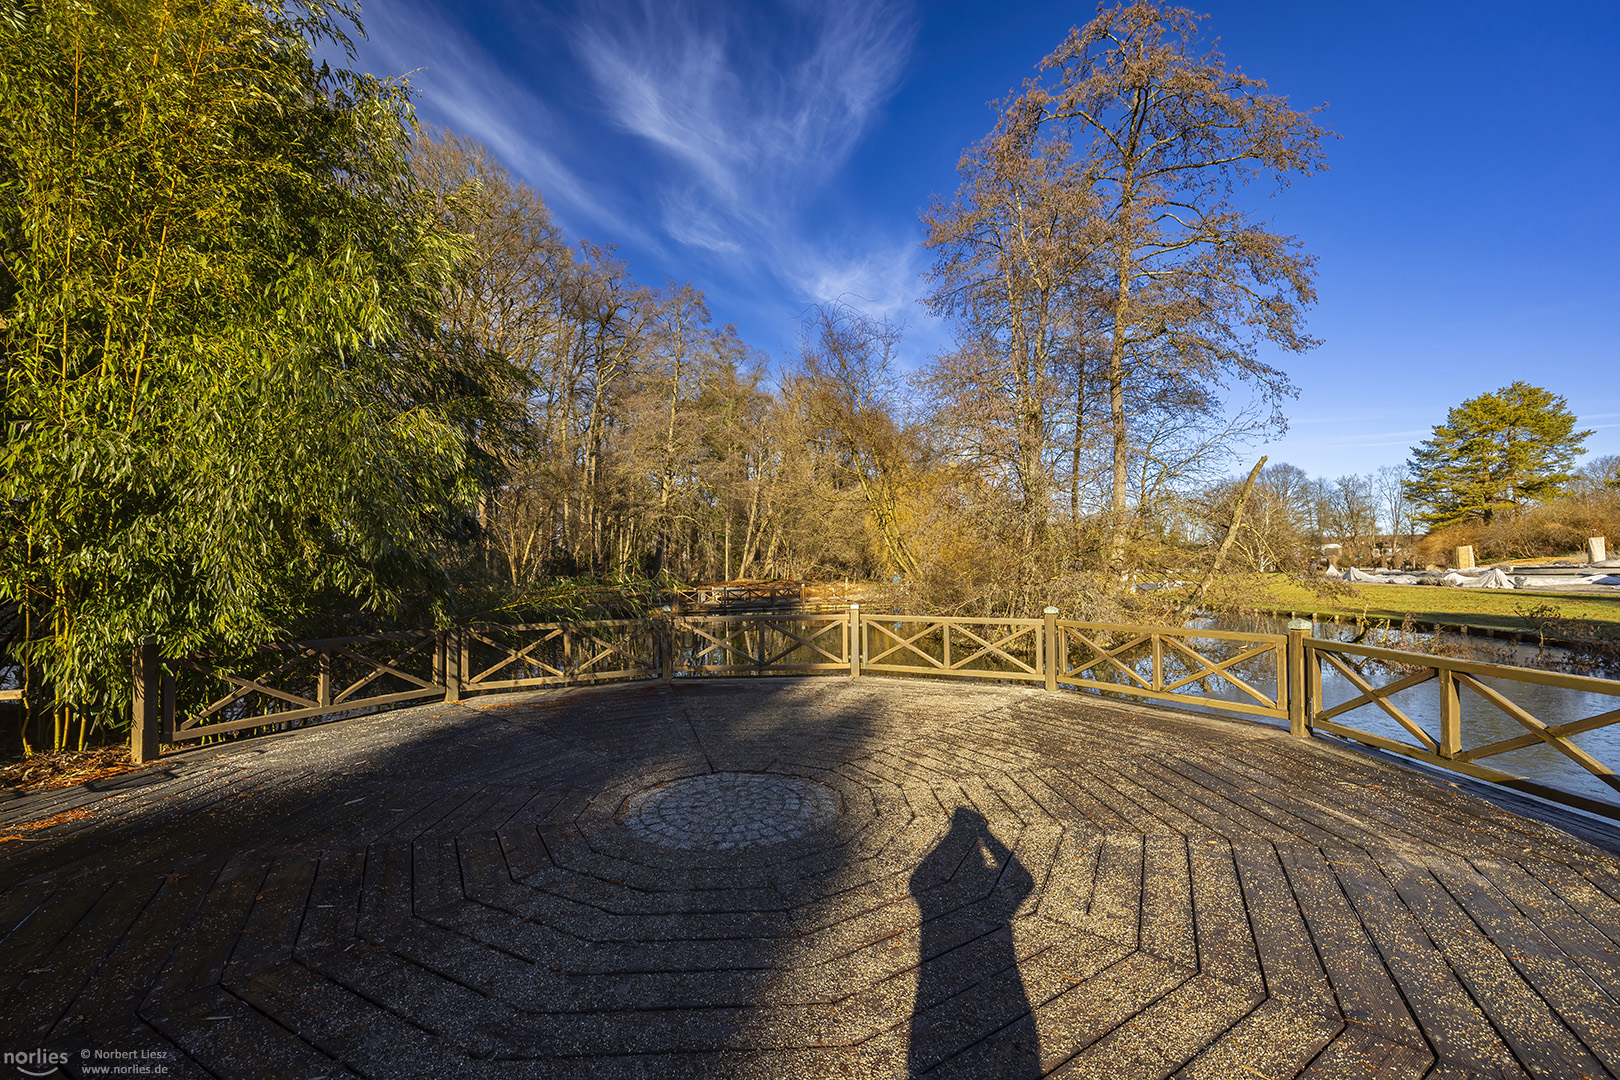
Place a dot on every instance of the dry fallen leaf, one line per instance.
(43, 772)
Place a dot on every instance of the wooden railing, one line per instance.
(1160, 663)
(286, 684)
(1275, 676)
(758, 644)
(484, 658)
(976, 648)
(1454, 682)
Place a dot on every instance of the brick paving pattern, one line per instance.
(941, 879)
(721, 811)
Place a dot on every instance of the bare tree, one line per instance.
(1353, 506)
(844, 386)
(1600, 476)
(1010, 250)
(1389, 484)
(1162, 131)
(1239, 502)
(1270, 536)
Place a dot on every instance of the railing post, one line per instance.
(1158, 661)
(666, 646)
(1293, 677)
(145, 703)
(453, 654)
(464, 661)
(855, 641)
(1051, 647)
(323, 687)
(1313, 682)
(167, 678)
(1450, 715)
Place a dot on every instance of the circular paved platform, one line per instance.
(802, 878)
(726, 810)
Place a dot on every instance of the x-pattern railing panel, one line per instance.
(1122, 650)
(722, 650)
(993, 646)
(1455, 678)
(1371, 695)
(720, 644)
(1098, 655)
(381, 668)
(315, 678)
(557, 653)
(1221, 669)
(246, 687)
(1542, 732)
(510, 655)
(625, 647)
(988, 649)
(835, 628)
(904, 646)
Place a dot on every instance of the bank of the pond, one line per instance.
(1552, 617)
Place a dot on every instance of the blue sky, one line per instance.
(778, 154)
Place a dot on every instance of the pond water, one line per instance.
(1482, 722)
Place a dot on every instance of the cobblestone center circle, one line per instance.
(720, 811)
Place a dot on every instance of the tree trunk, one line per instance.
(1074, 462)
(1116, 416)
(1238, 504)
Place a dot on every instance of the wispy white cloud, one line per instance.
(462, 87)
(711, 141)
(756, 121)
(879, 280)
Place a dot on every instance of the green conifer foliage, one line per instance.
(1495, 453)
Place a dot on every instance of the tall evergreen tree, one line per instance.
(1495, 453)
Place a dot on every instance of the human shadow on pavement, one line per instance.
(968, 984)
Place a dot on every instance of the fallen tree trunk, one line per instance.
(1191, 603)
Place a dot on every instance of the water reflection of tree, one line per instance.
(967, 889)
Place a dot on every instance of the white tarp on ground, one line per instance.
(1561, 581)
(1490, 577)
(1494, 578)
(1380, 577)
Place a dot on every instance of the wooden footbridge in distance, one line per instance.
(620, 848)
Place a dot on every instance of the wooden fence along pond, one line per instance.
(1272, 676)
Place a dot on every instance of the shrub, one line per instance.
(1548, 530)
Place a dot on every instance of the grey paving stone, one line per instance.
(800, 877)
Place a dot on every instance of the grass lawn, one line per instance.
(1563, 615)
